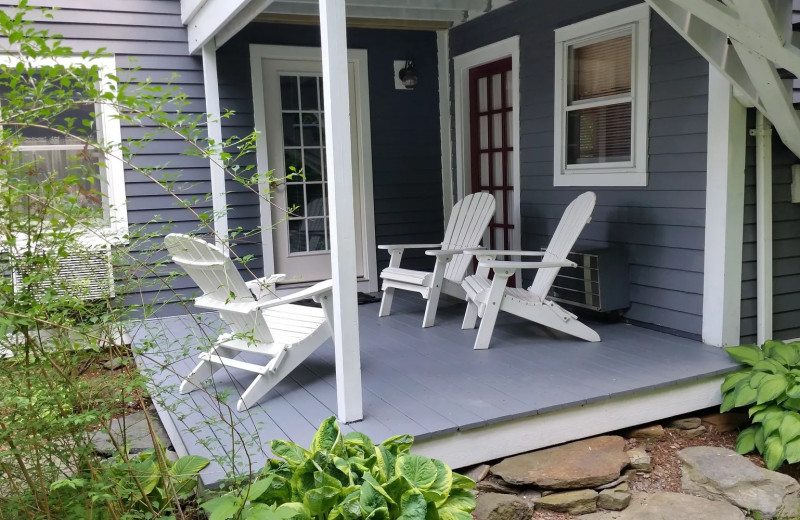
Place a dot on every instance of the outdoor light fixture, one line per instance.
(408, 75)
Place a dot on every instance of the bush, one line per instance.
(771, 389)
(348, 478)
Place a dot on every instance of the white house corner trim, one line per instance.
(722, 279)
(214, 128)
(461, 66)
(445, 135)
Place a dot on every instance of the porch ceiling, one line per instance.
(218, 20)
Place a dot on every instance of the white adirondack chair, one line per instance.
(486, 298)
(285, 334)
(465, 229)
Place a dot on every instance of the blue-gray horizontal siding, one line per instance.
(661, 225)
(149, 42)
(406, 150)
(785, 244)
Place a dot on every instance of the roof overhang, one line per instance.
(218, 21)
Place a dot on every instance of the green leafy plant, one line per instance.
(770, 387)
(348, 477)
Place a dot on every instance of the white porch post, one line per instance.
(340, 194)
(722, 273)
(214, 128)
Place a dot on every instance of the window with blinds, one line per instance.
(601, 100)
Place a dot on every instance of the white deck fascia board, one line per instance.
(459, 5)
(333, 32)
(376, 12)
(495, 441)
(722, 272)
(219, 204)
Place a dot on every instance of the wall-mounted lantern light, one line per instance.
(408, 75)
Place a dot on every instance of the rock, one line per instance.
(726, 422)
(137, 434)
(114, 364)
(171, 456)
(640, 460)
(671, 506)
(687, 423)
(477, 473)
(530, 496)
(615, 499)
(722, 474)
(492, 484)
(648, 432)
(497, 506)
(622, 479)
(577, 502)
(582, 464)
(694, 432)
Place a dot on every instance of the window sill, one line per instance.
(600, 178)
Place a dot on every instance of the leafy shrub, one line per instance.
(771, 389)
(349, 478)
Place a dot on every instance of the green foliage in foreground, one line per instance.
(770, 386)
(348, 478)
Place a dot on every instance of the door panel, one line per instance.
(296, 150)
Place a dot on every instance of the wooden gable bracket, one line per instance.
(747, 41)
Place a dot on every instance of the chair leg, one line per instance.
(431, 307)
(204, 370)
(386, 301)
(470, 316)
(487, 327)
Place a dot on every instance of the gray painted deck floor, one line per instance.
(424, 382)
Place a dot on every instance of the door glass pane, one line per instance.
(304, 148)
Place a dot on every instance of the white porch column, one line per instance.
(722, 278)
(214, 128)
(340, 195)
(763, 133)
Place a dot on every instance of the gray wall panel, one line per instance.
(661, 225)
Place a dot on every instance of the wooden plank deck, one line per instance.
(428, 382)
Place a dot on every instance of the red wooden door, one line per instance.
(491, 144)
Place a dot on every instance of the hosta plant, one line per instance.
(348, 477)
(770, 387)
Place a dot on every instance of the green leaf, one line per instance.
(396, 487)
(772, 422)
(371, 499)
(757, 378)
(748, 354)
(188, 466)
(222, 508)
(259, 487)
(773, 454)
(733, 378)
(290, 452)
(380, 513)
(783, 354)
(771, 366)
(398, 444)
(413, 506)
(728, 402)
(768, 346)
(790, 427)
(453, 514)
(319, 501)
(328, 438)
(293, 511)
(384, 463)
(792, 404)
(460, 499)
(743, 394)
(443, 482)
(794, 390)
(792, 451)
(760, 439)
(764, 412)
(419, 470)
(460, 481)
(771, 388)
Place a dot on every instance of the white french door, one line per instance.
(295, 139)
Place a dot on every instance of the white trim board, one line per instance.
(461, 66)
(358, 57)
(503, 439)
(722, 279)
(219, 198)
(443, 51)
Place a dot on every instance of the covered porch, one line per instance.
(531, 389)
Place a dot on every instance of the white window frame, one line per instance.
(116, 229)
(636, 20)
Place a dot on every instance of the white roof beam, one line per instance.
(240, 20)
(761, 17)
(189, 8)
(453, 5)
(390, 12)
(711, 43)
(212, 16)
(726, 19)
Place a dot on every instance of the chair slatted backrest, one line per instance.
(575, 217)
(218, 278)
(465, 229)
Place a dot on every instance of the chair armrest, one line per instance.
(497, 252)
(394, 247)
(504, 264)
(309, 292)
(444, 252)
(258, 287)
